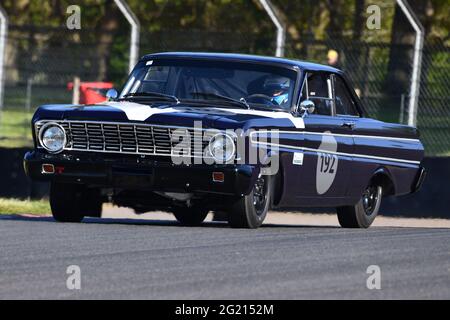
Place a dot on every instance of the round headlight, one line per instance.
(222, 148)
(52, 137)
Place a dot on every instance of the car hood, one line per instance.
(186, 115)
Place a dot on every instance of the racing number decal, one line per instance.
(327, 164)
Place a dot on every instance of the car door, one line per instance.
(328, 144)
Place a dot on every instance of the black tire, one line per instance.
(250, 211)
(71, 202)
(93, 203)
(364, 212)
(190, 216)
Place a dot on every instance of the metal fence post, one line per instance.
(402, 109)
(417, 62)
(76, 90)
(3, 38)
(28, 95)
(277, 21)
(135, 29)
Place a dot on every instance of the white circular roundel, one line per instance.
(327, 164)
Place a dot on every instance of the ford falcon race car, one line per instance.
(198, 132)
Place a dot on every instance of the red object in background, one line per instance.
(92, 92)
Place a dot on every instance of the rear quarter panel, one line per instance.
(394, 148)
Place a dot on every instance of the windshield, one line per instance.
(252, 85)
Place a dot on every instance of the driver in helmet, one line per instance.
(270, 90)
(277, 88)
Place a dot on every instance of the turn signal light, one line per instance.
(48, 168)
(218, 177)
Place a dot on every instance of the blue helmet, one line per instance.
(277, 87)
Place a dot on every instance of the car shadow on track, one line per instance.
(156, 222)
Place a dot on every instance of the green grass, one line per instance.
(16, 206)
(15, 128)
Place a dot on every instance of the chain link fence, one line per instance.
(40, 62)
(382, 80)
(433, 114)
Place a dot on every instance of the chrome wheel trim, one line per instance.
(370, 199)
(260, 190)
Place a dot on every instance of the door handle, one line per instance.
(349, 125)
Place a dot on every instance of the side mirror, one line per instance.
(112, 94)
(307, 107)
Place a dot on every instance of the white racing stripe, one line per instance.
(137, 111)
(140, 112)
(297, 122)
(338, 135)
(255, 141)
(355, 155)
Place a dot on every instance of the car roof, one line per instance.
(290, 63)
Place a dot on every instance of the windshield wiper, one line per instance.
(152, 95)
(241, 102)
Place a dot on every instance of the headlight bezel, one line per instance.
(42, 131)
(226, 136)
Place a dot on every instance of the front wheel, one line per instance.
(250, 211)
(72, 202)
(364, 212)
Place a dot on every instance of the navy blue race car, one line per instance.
(239, 134)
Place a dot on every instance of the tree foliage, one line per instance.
(318, 17)
(244, 22)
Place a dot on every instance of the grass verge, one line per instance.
(15, 129)
(16, 206)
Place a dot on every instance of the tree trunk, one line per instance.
(355, 59)
(401, 56)
(358, 20)
(336, 23)
(106, 30)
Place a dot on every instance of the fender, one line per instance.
(386, 179)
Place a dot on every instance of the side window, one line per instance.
(318, 89)
(344, 102)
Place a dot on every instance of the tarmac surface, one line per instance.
(293, 256)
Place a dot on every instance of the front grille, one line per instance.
(133, 138)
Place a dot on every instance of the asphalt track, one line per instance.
(158, 259)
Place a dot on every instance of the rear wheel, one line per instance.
(250, 211)
(364, 212)
(190, 216)
(72, 202)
